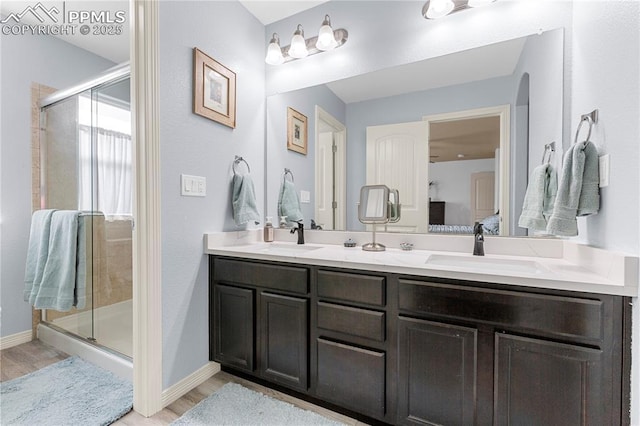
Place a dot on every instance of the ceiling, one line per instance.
(466, 139)
(268, 11)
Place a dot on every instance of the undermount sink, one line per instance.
(488, 264)
(288, 249)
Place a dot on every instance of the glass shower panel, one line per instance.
(86, 165)
(60, 176)
(112, 196)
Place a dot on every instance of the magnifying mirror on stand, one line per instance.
(378, 205)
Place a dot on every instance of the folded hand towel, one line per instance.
(578, 190)
(289, 203)
(244, 200)
(56, 291)
(37, 252)
(539, 198)
(589, 202)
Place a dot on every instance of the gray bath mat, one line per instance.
(69, 392)
(233, 404)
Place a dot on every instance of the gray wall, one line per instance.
(195, 145)
(26, 59)
(279, 157)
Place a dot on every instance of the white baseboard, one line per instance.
(7, 342)
(196, 378)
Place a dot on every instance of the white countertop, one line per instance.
(604, 276)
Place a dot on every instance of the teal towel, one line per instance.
(578, 192)
(244, 200)
(539, 198)
(57, 288)
(289, 203)
(37, 251)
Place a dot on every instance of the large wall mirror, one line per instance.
(458, 135)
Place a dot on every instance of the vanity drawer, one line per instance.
(352, 321)
(357, 288)
(276, 277)
(352, 377)
(550, 314)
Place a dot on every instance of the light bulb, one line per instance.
(274, 52)
(478, 3)
(298, 48)
(326, 38)
(439, 8)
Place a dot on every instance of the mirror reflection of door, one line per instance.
(330, 172)
(467, 168)
(397, 157)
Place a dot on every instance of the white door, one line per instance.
(404, 145)
(482, 195)
(324, 181)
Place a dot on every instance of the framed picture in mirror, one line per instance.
(296, 131)
(214, 89)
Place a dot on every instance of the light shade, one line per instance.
(478, 3)
(298, 48)
(326, 38)
(439, 8)
(274, 52)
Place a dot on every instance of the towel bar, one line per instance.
(237, 160)
(591, 118)
(287, 172)
(548, 148)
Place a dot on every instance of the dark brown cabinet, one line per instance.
(437, 373)
(256, 327)
(415, 350)
(284, 340)
(548, 383)
(232, 333)
(436, 212)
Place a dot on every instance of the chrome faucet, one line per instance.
(478, 245)
(300, 230)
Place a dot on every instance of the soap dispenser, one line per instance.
(268, 230)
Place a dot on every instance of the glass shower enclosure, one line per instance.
(86, 165)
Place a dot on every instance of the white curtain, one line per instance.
(105, 173)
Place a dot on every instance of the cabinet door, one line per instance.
(437, 373)
(540, 382)
(284, 340)
(233, 332)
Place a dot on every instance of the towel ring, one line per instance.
(548, 148)
(238, 160)
(591, 118)
(287, 172)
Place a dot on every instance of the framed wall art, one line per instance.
(296, 131)
(214, 89)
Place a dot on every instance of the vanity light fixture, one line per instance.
(434, 9)
(327, 39)
(298, 47)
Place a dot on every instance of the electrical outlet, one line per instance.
(603, 170)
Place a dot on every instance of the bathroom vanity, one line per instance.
(411, 346)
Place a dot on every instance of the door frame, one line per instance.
(503, 175)
(340, 175)
(147, 242)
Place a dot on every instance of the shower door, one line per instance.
(86, 165)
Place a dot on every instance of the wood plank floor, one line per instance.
(28, 357)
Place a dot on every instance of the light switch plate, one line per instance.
(305, 197)
(193, 186)
(603, 165)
